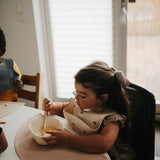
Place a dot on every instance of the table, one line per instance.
(14, 121)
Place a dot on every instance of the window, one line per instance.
(81, 31)
(143, 49)
(73, 33)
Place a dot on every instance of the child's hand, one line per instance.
(47, 104)
(58, 137)
(52, 107)
(17, 84)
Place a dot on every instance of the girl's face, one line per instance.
(85, 97)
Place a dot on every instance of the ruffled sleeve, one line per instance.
(121, 119)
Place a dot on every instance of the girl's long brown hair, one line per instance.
(101, 79)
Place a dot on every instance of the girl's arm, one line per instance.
(96, 143)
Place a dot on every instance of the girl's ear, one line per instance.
(104, 98)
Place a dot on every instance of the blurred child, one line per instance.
(10, 75)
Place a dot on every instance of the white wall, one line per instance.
(17, 22)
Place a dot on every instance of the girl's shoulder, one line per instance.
(115, 117)
(8, 61)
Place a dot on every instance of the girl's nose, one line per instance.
(76, 95)
(77, 99)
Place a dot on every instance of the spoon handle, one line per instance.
(43, 128)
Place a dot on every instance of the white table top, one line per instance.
(14, 121)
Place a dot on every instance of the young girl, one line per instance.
(99, 113)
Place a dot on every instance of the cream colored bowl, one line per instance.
(36, 124)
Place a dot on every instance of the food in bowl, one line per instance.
(35, 127)
(50, 129)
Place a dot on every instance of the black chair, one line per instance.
(142, 121)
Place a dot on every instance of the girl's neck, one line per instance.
(98, 109)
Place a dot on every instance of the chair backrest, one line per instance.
(28, 94)
(142, 121)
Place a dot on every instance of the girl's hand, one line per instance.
(47, 104)
(58, 137)
(52, 107)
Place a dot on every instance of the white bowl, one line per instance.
(36, 124)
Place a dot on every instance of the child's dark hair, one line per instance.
(101, 79)
(2, 40)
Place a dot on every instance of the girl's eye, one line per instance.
(77, 94)
(83, 96)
